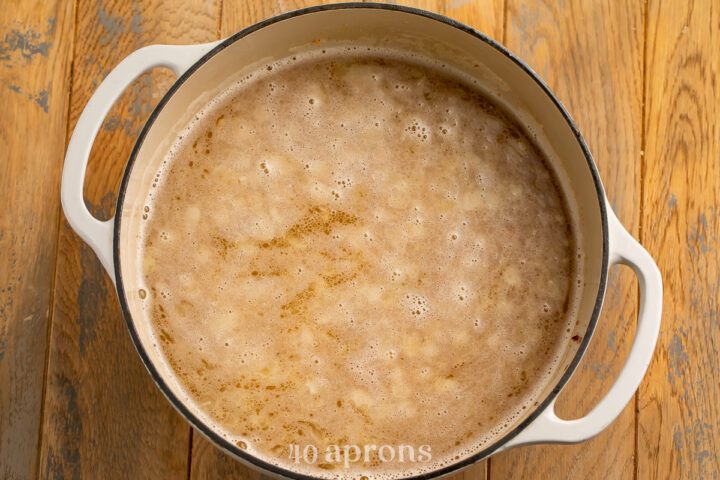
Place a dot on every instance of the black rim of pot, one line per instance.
(235, 450)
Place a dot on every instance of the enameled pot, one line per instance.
(204, 69)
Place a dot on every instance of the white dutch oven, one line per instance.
(205, 69)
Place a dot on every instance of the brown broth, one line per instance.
(355, 247)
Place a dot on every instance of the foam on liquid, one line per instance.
(353, 246)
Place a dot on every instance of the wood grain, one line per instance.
(590, 54)
(679, 419)
(35, 56)
(104, 417)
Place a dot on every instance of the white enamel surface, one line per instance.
(500, 76)
(548, 427)
(96, 233)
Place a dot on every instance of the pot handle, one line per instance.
(548, 427)
(96, 233)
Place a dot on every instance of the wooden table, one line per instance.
(642, 80)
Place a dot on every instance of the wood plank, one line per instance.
(35, 55)
(104, 417)
(679, 419)
(207, 461)
(590, 54)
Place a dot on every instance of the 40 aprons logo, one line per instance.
(350, 454)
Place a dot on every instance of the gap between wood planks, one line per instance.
(641, 217)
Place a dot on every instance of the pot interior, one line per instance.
(503, 79)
